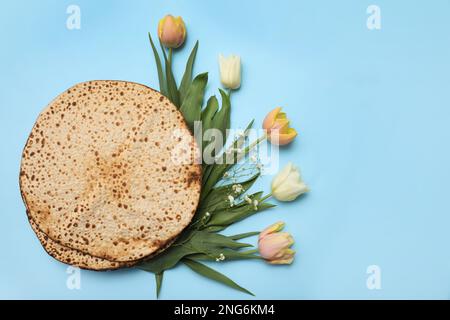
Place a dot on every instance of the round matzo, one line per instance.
(109, 169)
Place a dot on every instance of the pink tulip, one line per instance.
(274, 246)
(171, 31)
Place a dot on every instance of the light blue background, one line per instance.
(372, 109)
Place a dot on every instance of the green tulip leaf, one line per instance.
(197, 242)
(187, 77)
(212, 274)
(162, 84)
(229, 254)
(166, 260)
(159, 280)
(244, 235)
(192, 104)
(208, 113)
(172, 90)
(206, 242)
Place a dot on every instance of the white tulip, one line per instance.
(288, 184)
(230, 71)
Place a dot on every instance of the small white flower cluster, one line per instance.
(231, 200)
(237, 188)
(254, 159)
(241, 172)
(255, 203)
(205, 218)
(221, 257)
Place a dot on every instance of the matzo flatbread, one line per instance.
(72, 256)
(100, 171)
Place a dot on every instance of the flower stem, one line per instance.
(256, 142)
(251, 251)
(265, 197)
(248, 148)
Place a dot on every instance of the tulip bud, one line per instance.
(230, 71)
(288, 184)
(274, 246)
(277, 127)
(171, 31)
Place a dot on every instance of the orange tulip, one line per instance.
(171, 31)
(277, 127)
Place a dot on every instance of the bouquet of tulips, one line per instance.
(225, 198)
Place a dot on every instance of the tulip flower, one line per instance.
(171, 31)
(274, 246)
(277, 127)
(230, 71)
(288, 184)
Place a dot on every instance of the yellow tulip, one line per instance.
(277, 127)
